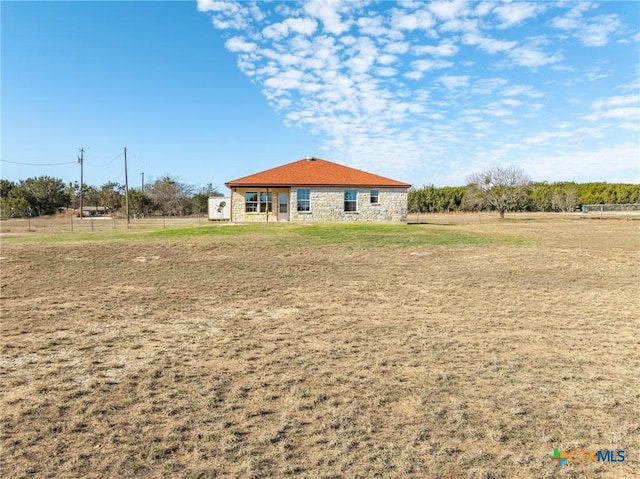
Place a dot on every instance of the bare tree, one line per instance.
(500, 188)
(565, 199)
(170, 196)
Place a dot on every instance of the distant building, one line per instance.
(95, 210)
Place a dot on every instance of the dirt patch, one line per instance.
(259, 356)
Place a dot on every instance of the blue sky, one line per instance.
(425, 92)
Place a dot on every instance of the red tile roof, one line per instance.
(315, 172)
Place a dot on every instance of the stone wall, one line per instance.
(327, 204)
(238, 211)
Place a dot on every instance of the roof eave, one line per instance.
(309, 185)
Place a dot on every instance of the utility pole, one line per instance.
(126, 184)
(80, 160)
(142, 181)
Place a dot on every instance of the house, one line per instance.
(94, 210)
(313, 189)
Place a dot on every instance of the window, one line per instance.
(283, 203)
(266, 200)
(251, 202)
(350, 200)
(304, 202)
(375, 197)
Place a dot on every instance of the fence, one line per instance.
(612, 209)
(100, 223)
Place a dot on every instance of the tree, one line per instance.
(110, 195)
(139, 203)
(170, 196)
(91, 195)
(414, 201)
(6, 206)
(13, 200)
(32, 197)
(5, 187)
(540, 196)
(565, 198)
(44, 194)
(211, 191)
(500, 188)
(73, 191)
(200, 201)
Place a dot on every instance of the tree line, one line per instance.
(499, 189)
(480, 194)
(45, 195)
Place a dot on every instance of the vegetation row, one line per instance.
(45, 195)
(541, 196)
(498, 189)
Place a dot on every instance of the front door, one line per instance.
(283, 206)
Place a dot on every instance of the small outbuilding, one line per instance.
(219, 208)
(313, 189)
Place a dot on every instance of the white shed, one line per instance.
(219, 209)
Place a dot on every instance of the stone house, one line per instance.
(313, 189)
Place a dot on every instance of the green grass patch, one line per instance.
(382, 235)
(133, 234)
(316, 234)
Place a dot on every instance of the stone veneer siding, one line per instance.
(327, 204)
(238, 213)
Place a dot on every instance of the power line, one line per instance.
(38, 164)
(107, 163)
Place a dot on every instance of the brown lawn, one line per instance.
(323, 353)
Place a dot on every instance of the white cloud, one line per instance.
(239, 44)
(447, 10)
(374, 26)
(525, 90)
(386, 71)
(596, 33)
(286, 80)
(362, 55)
(454, 81)
(615, 101)
(446, 48)
(527, 56)
(620, 161)
(546, 136)
(218, 6)
(592, 32)
(328, 15)
(486, 86)
(228, 13)
(514, 13)
(496, 109)
(572, 20)
(466, 25)
(420, 20)
(386, 59)
(629, 114)
(414, 75)
(487, 44)
(305, 26)
(510, 102)
(430, 65)
(399, 48)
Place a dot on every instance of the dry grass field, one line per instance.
(466, 349)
